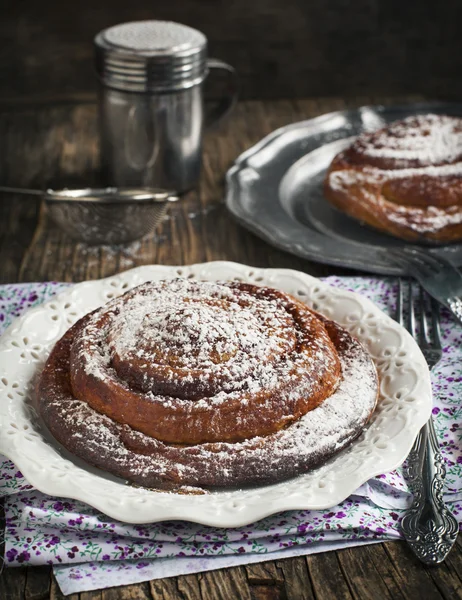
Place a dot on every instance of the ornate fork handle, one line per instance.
(455, 306)
(428, 526)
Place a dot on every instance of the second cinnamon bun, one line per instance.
(405, 179)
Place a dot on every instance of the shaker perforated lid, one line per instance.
(151, 56)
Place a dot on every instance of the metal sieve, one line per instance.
(104, 215)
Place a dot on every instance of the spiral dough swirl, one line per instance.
(195, 383)
(405, 179)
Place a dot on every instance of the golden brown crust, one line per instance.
(405, 179)
(148, 461)
(173, 403)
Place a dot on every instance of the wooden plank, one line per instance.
(138, 591)
(361, 575)
(266, 573)
(266, 581)
(224, 584)
(411, 576)
(297, 582)
(189, 587)
(268, 592)
(447, 577)
(45, 100)
(18, 214)
(38, 580)
(93, 595)
(385, 568)
(13, 583)
(186, 587)
(39, 155)
(164, 589)
(18, 219)
(327, 577)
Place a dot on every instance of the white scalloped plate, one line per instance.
(403, 408)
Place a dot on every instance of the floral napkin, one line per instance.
(90, 551)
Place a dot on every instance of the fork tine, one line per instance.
(399, 303)
(424, 329)
(411, 328)
(436, 324)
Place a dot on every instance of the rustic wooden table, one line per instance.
(55, 145)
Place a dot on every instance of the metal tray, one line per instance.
(275, 190)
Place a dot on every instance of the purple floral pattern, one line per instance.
(69, 531)
(89, 550)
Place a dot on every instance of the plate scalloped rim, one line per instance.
(404, 405)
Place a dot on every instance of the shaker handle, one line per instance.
(226, 104)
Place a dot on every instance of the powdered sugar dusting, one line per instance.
(212, 335)
(421, 158)
(200, 330)
(424, 139)
(420, 219)
(193, 362)
(304, 444)
(340, 179)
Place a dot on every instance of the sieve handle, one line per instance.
(12, 190)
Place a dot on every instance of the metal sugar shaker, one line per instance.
(151, 103)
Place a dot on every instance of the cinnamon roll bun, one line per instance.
(405, 179)
(184, 383)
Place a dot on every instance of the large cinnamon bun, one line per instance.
(183, 383)
(405, 179)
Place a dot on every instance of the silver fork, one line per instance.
(436, 275)
(428, 526)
